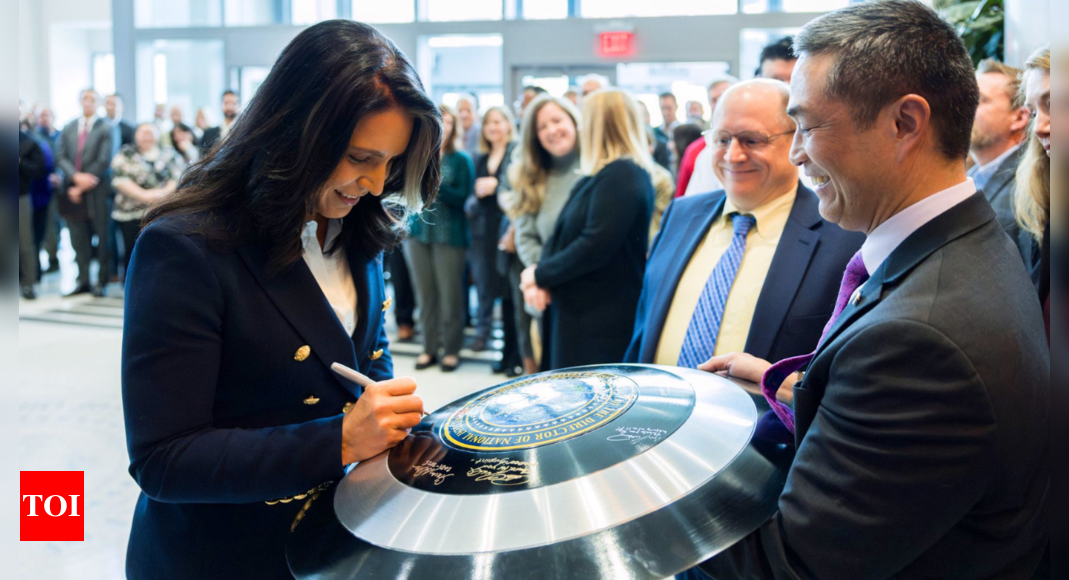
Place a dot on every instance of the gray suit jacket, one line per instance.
(1000, 191)
(96, 159)
(923, 431)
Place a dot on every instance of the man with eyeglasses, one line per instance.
(752, 268)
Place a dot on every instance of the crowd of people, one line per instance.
(95, 177)
(542, 217)
(554, 218)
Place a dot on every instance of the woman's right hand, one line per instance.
(381, 418)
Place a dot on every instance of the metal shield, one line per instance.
(614, 471)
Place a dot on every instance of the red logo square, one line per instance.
(53, 506)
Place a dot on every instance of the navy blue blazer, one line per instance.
(798, 296)
(225, 409)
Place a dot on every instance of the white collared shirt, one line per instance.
(332, 272)
(86, 124)
(891, 233)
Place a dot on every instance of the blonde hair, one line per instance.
(451, 143)
(1033, 174)
(484, 145)
(612, 129)
(531, 163)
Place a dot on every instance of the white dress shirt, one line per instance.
(86, 124)
(332, 272)
(891, 233)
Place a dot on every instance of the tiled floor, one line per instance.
(70, 418)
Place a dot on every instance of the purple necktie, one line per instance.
(856, 275)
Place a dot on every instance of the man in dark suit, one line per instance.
(33, 165)
(213, 135)
(113, 107)
(998, 131)
(921, 424)
(784, 276)
(84, 158)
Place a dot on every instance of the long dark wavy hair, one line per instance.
(263, 180)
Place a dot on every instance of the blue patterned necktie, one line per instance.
(700, 341)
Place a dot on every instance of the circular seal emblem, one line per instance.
(539, 411)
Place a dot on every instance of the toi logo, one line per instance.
(52, 506)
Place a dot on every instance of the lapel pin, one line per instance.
(302, 353)
(386, 305)
(311, 400)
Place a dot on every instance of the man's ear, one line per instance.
(1021, 117)
(912, 118)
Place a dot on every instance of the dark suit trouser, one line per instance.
(435, 270)
(82, 230)
(27, 256)
(129, 232)
(488, 283)
(404, 305)
(521, 318)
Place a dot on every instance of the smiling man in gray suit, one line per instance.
(84, 158)
(922, 422)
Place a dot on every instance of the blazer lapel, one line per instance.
(300, 300)
(698, 226)
(966, 217)
(1006, 171)
(796, 248)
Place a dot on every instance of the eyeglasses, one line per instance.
(747, 140)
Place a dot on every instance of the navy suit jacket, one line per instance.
(798, 296)
(221, 414)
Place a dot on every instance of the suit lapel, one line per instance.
(966, 217)
(701, 219)
(1006, 171)
(796, 248)
(298, 297)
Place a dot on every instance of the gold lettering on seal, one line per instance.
(501, 471)
(436, 470)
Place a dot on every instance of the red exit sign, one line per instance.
(617, 43)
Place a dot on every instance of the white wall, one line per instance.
(1027, 27)
(56, 42)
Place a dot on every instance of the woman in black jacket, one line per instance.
(485, 215)
(590, 274)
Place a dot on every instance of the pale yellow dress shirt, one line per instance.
(742, 300)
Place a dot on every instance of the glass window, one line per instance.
(312, 11)
(629, 8)
(188, 74)
(688, 81)
(177, 13)
(254, 12)
(449, 10)
(250, 79)
(384, 12)
(763, 6)
(104, 73)
(545, 9)
(554, 85)
(469, 63)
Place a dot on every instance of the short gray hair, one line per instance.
(886, 49)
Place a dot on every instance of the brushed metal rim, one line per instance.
(372, 505)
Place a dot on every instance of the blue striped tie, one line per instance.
(700, 342)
